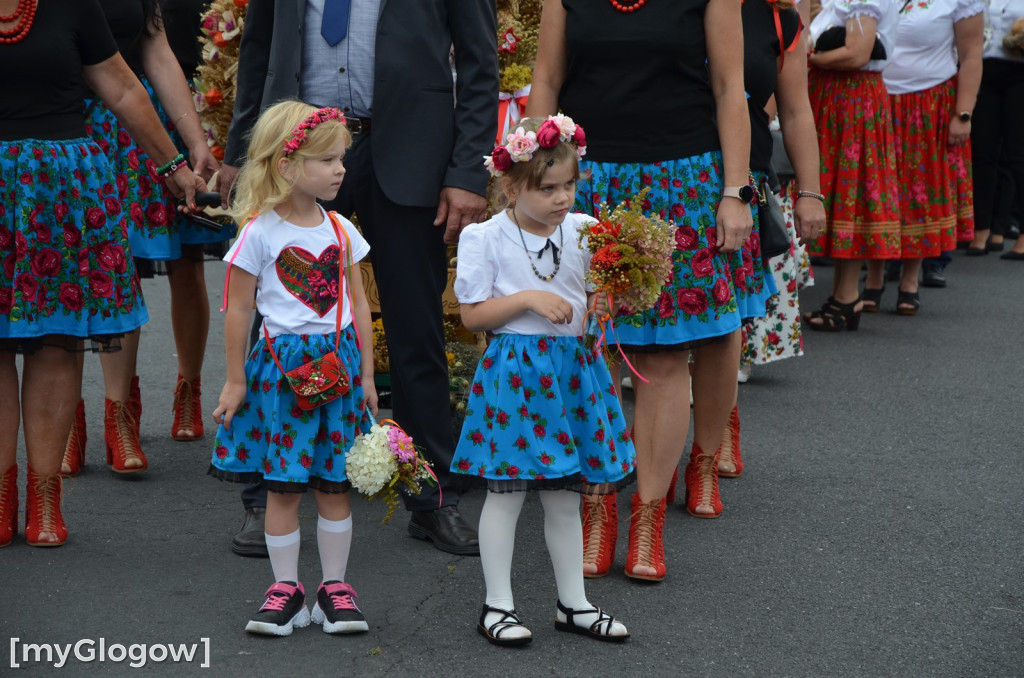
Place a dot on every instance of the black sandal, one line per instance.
(911, 299)
(493, 632)
(834, 316)
(600, 629)
(873, 297)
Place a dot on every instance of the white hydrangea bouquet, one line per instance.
(384, 460)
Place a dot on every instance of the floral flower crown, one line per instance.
(521, 145)
(298, 135)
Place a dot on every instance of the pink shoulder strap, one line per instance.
(346, 245)
(243, 230)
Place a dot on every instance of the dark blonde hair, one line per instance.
(261, 187)
(527, 174)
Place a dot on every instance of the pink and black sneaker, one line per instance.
(336, 609)
(284, 609)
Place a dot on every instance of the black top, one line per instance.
(760, 70)
(638, 82)
(127, 21)
(41, 76)
(181, 24)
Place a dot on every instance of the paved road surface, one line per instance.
(876, 532)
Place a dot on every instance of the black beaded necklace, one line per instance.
(554, 253)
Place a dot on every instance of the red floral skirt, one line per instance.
(858, 165)
(928, 169)
(963, 168)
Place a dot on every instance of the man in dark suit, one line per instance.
(414, 179)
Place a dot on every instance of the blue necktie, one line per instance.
(335, 22)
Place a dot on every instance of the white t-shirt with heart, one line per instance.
(296, 269)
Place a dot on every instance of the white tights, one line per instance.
(563, 533)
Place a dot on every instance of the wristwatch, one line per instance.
(741, 193)
(965, 116)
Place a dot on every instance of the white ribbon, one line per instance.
(513, 111)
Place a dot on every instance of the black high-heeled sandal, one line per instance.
(905, 299)
(599, 630)
(493, 632)
(873, 297)
(834, 316)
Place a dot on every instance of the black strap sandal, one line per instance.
(872, 299)
(493, 632)
(834, 316)
(908, 303)
(600, 629)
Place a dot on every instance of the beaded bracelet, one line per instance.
(810, 194)
(172, 166)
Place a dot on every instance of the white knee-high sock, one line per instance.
(284, 555)
(497, 532)
(563, 532)
(334, 539)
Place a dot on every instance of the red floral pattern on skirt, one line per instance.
(858, 165)
(931, 172)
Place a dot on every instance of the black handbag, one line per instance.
(771, 223)
(835, 37)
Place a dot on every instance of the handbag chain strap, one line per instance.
(344, 279)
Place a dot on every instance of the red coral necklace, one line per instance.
(628, 6)
(23, 15)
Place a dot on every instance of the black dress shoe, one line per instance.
(932, 277)
(995, 246)
(976, 251)
(251, 540)
(447, 529)
(1012, 256)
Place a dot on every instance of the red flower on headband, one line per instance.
(502, 159)
(579, 137)
(298, 135)
(548, 134)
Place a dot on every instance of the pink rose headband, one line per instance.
(298, 135)
(521, 145)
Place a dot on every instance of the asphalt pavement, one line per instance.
(876, 531)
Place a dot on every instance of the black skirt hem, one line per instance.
(684, 346)
(573, 482)
(280, 486)
(100, 343)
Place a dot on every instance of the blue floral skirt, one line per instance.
(155, 228)
(63, 245)
(273, 439)
(543, 414)
(710, 293)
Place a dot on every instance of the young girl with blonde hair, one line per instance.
(292, 257)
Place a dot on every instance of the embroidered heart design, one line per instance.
(311, 280)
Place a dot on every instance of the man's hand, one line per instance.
(457, 209)
(226, 176)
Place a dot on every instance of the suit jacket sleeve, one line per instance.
(253, 63)
(474, 28)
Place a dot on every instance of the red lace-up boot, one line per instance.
(42, 510)
(646, 539)
(188, 410)
(8, 505)
(730, 461)
(74, 450)
(135, 404)
(701, 477)
(600, 532)
(120, 432)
